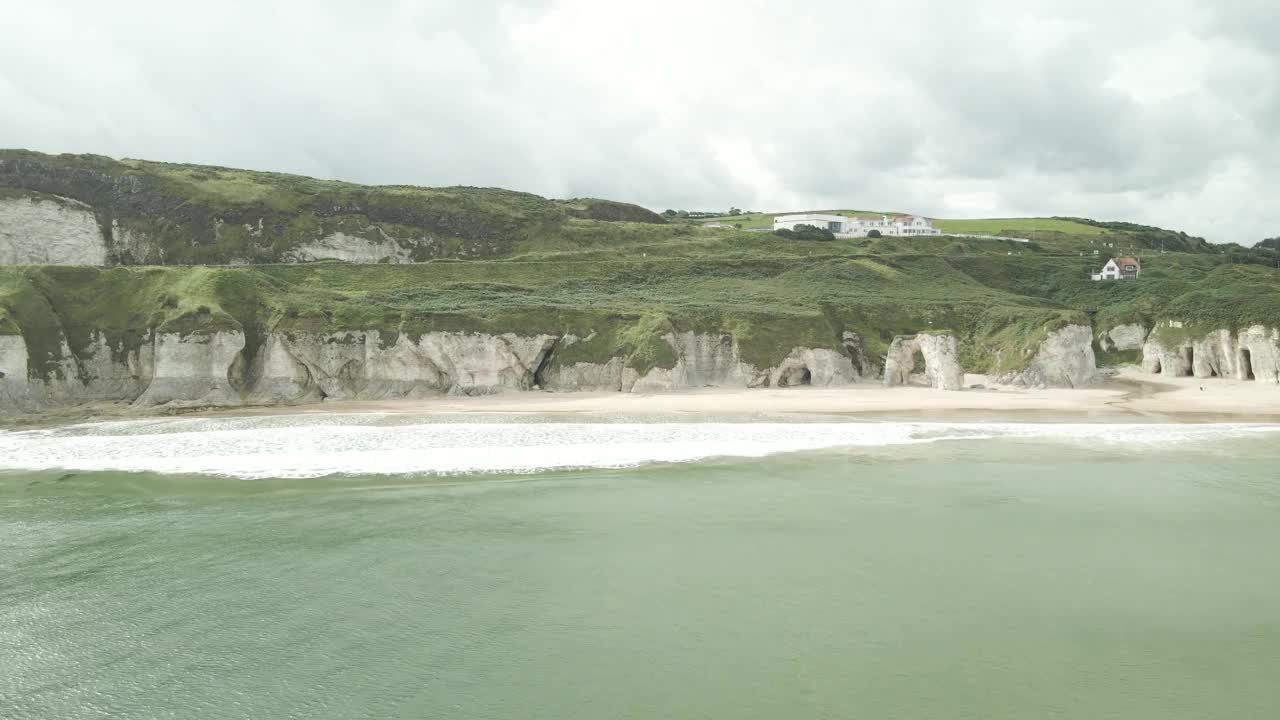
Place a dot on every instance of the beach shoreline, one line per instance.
(1129, 396)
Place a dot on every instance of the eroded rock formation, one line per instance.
(353, 248)
(941, 361)
(195, 369)
(1064, 359)
(1124, 337)
(49, 230)
(219, 368)
(1249, 354)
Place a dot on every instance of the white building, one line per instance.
(1123, 268)
(856, 227)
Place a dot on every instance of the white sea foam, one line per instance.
(318, 445)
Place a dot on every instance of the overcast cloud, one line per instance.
(1159, 111)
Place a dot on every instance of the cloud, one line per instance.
(1159, 112)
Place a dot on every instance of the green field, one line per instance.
(1026, 227)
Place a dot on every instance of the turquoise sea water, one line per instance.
(248, 568)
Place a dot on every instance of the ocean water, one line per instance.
(369, 566)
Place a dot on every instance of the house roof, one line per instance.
(1122, 261)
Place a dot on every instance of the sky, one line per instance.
(1165, 112)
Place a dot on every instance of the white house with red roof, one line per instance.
(859, 226)
(1121, 268)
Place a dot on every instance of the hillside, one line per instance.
(88, 209)
(152, 213)
(1055, 235)
(576, 294)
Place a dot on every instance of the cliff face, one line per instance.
(220, 366)
(41, 229)
(210, 369)
(1252, 353)
(1065, 359)
(1126, 337)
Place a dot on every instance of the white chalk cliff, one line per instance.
(1252, 353)
(49, 230)
(352, 248)
(1124, 337)
(224, 368)
(218, 369)
(1064, 359)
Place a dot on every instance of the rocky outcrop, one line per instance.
(1250, 354)
(367, 365)
(352, 248)
(1064, 359)
(218, 368)
(98, 372)
(15, 387)
(819, 367)
(1161, 359)
(702, 360)
(45, 229)
(710, 360)
(1258, 354)
(611, 376)
(941, 361)
(276, 376)
(195, 369)
(1124, 338)
(224, 368)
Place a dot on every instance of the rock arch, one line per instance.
(795, 376)
(941, 360)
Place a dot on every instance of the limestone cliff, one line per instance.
(1126, 337)
(1064, 359)
(350, 365)
(41, 229)
(15, 389)
(195, 369)
(353, 248)
(98, 373)
(1252, 353)
(703, 360)
(218, 368)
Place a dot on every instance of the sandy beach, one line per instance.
(1130, 396)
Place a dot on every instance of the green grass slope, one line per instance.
(173, 214)
(503, 261)
(1058, 235)
(1001, 307)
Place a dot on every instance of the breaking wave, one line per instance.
(303, 446)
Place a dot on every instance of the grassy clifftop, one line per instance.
(164, 213)
(155, 213)
(503, 261)
(1000, 307)
(1053, 235)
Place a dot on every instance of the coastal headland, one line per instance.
(144, 287)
